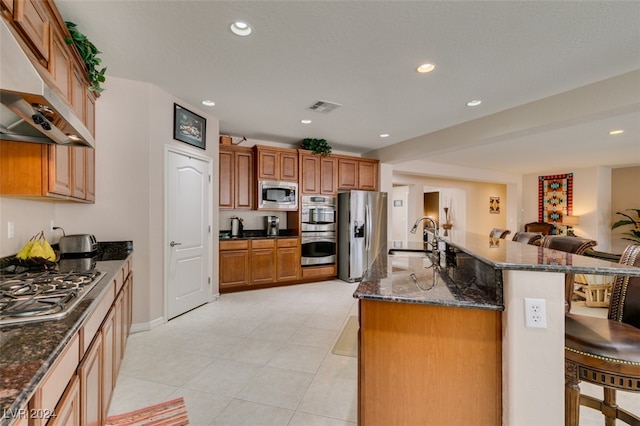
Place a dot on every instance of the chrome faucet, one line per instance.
(434, 243)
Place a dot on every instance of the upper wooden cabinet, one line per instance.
(277, 164)
(236, 178)
(56, 171)
(33, 18)
(357, 173)
(41, 32)
(318, 174)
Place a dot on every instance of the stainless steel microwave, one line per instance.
(277, 195)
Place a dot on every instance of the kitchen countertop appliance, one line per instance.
(272, 225)
(236, 227)
(51, 294)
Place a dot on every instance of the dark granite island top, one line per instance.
(28, 350)
(473, 273)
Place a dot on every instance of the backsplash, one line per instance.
(251, 219)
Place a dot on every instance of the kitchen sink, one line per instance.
(409, 253)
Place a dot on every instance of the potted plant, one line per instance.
(317, 146)
(89, 54)
(633, 234)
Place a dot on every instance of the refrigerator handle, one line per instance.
(367, 221)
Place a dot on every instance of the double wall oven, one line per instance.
(318, 230)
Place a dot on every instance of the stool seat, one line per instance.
(611, 342)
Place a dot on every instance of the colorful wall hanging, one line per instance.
(555, 198)
(494, 205)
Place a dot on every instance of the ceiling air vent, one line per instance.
(324, 106)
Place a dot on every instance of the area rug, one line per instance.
(168, 413)
(347, 343)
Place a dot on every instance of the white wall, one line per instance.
(134, 121)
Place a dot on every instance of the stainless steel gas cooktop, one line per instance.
(38, 296)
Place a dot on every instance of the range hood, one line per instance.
(30, 110)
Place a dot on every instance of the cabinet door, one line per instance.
(328, 176)
(287, 260)
(268, 165)
(234, 268)
(347, 173)
(90, 174)
(289, 166)
(31, 17)
(60, 170)
(60, 67)
(78, 96)
(309, 174)
(68, 409)
(368, 175)
(243, 173)
(79, 164)
(108, 360)
(118, 349)
(90, 372)
(226, 199)
(262, 266)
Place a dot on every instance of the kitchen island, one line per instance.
(57, 369)
(443, 340)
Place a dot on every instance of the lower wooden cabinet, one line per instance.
(90, 372)
(287, 259)
(68, 409)
(244, 263)
(81, 382)
(263, 267)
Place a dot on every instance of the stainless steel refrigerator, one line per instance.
(362, 231)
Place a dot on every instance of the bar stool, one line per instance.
(527, 237)
(606, 351)
(499, 233)
(575, 245)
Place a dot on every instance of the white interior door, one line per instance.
(188, 239)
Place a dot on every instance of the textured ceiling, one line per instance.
(363, 54)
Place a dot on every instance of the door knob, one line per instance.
(173, 244)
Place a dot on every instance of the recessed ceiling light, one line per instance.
(424, 68)
(616, 132)
(208, 103)
(240, 28)
(474, 102)
(305, 121)
(384, 135)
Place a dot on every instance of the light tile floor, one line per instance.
(253, 358)
(263, 358)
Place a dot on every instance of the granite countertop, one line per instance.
(473, 275)
(28, 350)
(420, 280)
(510, 255)
(256, 234)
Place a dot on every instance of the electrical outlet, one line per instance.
(52, 225)
(535, 313)
(11, 230)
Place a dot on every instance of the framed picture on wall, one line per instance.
(189, 127)
(494, 205)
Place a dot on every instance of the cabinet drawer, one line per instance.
(289, 242)
(319, 271)
(91, 326)
(262, 244)
(234, 245)
(53, 386)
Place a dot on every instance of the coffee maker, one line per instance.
(272, 225)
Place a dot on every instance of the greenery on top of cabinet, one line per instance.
(89, 54)
(317, 146)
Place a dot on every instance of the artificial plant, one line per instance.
(89, 54)
(317, 146)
